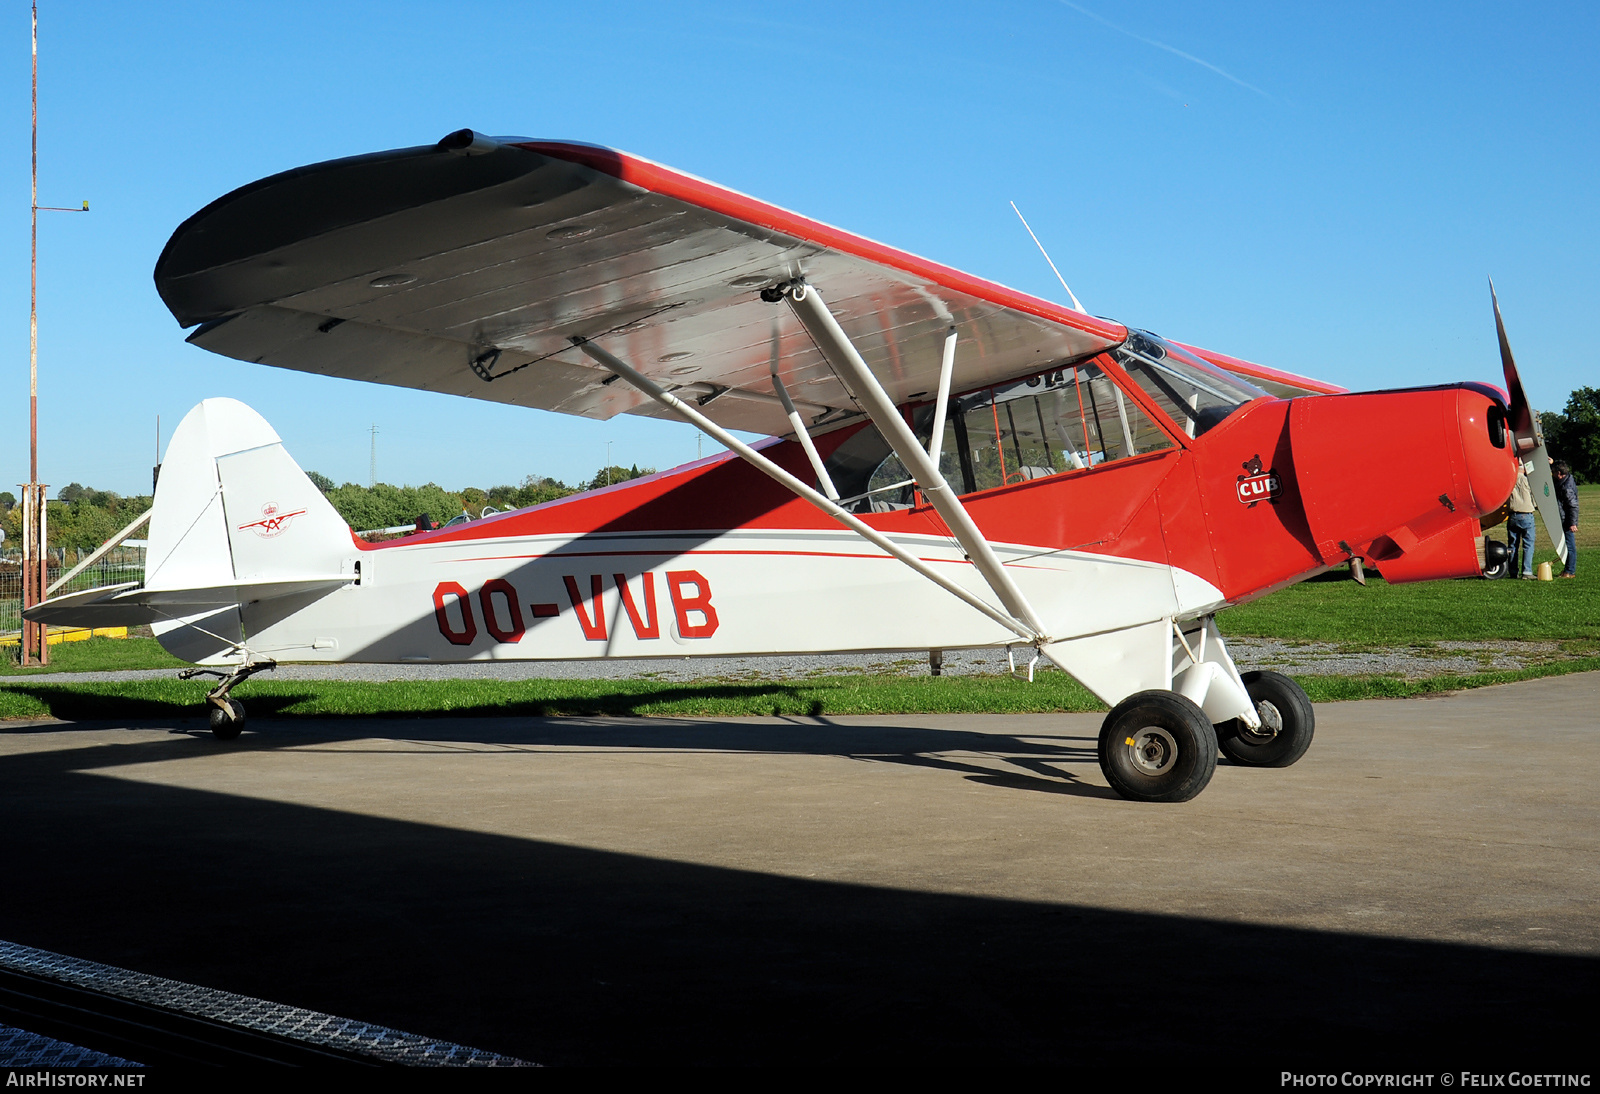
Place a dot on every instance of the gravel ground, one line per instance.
(1295, 658)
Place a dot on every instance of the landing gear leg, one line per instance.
(227, 714)
(1157, 746)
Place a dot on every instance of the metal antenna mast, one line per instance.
(34, 538)
(1077, 307)
(372, 468)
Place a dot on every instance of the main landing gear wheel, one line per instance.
(1157, 746)
(1496, 559)
(1287, 722)
(227, 724)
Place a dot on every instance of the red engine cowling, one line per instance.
(1401, 477)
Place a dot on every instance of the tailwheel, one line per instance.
(1157, 746)
(1287, 723)
(227, 719)
(227, 713)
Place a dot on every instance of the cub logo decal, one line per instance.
(272, 522)
(1256, 484)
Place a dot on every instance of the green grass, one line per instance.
(1339, 689)
(1051, 692)
(1468, 610)
(94, 655)
(1431, 611)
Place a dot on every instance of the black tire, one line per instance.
(1494, 570)
(1157, 746)
(226, 725)
(1288, 722)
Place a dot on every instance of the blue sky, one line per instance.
(1320, 188)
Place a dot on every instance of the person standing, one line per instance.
(1519, 525)
(1567, 499)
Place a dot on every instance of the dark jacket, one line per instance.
(1567, 498)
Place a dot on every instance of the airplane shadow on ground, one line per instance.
(567, 955)
(614, 723)
(73, 702)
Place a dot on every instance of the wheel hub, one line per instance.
(1153, 750)
(1271, 724)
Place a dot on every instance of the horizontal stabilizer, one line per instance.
(91, 608)
(129, 606)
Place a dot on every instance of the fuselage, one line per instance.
(1126, 520)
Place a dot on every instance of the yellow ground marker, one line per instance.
(56, 636)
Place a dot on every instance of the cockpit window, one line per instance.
(1067, 419)
(871, 479)
(1194, 394)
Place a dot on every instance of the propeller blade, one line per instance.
(1528, 439)
(1544, 496)
(1520, 417)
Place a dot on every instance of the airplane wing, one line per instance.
(469, 267)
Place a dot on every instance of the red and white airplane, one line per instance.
(951, 464)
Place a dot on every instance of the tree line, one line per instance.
(81, 518)
(386, 506)
(78, 518)
(1574, 434)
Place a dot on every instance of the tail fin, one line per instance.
(234, 520)
(232, 508)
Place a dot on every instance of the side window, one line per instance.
(871, 479)
(1065, 420)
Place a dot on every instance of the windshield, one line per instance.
(1194, 394)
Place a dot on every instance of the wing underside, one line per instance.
(470, 267)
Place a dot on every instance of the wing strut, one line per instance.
(800, 432)
(942, 406)
(842, 355)
(1031, 633)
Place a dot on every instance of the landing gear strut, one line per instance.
(227, 714)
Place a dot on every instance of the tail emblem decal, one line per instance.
(272, 522)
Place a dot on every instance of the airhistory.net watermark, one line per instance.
(45, 1077)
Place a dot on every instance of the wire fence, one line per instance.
(121, 565)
